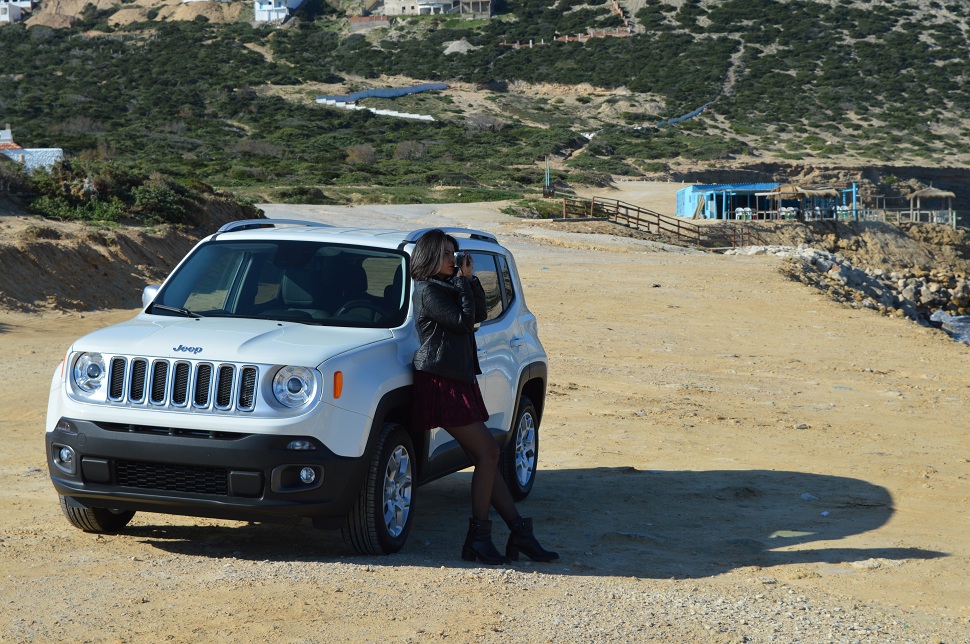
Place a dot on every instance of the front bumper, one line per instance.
(248, 477)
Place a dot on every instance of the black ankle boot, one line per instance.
(478, 544)
(523, 540)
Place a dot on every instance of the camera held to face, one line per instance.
(459, 260)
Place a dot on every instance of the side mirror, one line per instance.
(148, 295)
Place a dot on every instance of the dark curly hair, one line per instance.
(428, 251)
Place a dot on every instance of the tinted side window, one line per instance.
(506, 280)
(487, 273)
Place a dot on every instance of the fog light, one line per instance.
(300, 445)
(63, 457)
(307, 475)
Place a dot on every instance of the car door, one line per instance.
(499, 342)
(498, 347)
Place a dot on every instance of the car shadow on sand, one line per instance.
(610, 521)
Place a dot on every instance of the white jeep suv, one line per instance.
(269, 379)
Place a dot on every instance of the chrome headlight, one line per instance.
(294, 386)
(89, 372)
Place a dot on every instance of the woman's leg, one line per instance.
(488, 488)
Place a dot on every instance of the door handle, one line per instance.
(516, 342)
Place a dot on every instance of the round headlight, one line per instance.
(294, 386)
(89, 372)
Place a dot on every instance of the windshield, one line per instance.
(297, 281)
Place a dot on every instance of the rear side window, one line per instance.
(493, 273)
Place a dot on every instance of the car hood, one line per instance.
(228, 339)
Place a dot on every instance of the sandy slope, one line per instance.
(695, 401)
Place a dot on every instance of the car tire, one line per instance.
(381, 518)
(97, 520)
(520, 458)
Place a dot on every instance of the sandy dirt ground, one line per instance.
(726, 456)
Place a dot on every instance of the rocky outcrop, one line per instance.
(914, 293)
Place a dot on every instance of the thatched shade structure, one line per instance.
(929, 193)
(791, 191)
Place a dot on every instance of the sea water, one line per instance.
(958, 326)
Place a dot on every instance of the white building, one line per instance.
(10, 12)
(30, 158)
(274, 10)
(433, 7)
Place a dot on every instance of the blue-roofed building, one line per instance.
(747, 201)
(723, 201)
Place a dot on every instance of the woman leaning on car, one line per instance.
(448, 302)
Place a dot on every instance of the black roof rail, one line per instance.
(249, 224)
(472, 234)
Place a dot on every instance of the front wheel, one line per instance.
(96, 520)
(520, 459)
(380, 520)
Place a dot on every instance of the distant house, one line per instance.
(432, 7)
(723, 201)
(274, 10)
(30, 158)
(10, 12)
(747, 201)
(14, 10)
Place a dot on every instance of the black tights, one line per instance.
(488, 487)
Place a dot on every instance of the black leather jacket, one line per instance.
(445, 314)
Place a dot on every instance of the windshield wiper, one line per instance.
(174, 309)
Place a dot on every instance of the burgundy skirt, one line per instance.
(442, 402)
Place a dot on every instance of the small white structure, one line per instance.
(433, 7)
(30, 158)
(273, 10)
(354, 106)
(10, 12)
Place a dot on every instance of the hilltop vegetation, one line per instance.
(824, 83)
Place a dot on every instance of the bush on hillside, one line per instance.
(98, 191)
(13, 178)
(302, 194)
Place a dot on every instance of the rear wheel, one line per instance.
(98, 520)
(380, 520)
(520, 459)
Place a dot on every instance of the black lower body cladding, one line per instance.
(248, 477)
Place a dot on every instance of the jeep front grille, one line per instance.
(182, 384)
(174, 478)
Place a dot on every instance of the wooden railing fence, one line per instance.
(647, 220)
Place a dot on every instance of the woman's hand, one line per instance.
(468, 266)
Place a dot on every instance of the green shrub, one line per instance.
(156, 203)
(13, 178)
(302, 194)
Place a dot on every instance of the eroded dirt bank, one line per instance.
(63, 266)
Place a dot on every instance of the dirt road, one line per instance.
(726, 456)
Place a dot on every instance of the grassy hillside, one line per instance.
(841, 83)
